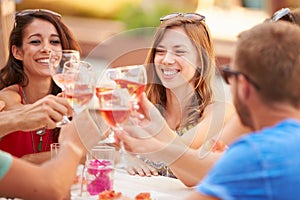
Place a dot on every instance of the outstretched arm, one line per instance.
(46, 112)
(155, 140)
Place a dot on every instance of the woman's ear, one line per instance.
(17, 52)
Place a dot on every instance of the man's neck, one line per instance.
(272, 114)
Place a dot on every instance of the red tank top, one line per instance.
(20, 143)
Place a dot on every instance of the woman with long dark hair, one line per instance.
(26, 78)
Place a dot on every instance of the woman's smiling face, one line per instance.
(176, 58)
(40, 37)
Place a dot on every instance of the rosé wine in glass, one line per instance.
(114, 107)
(133, 78)
(135, 89)
(79, 84)
(57, 60)
(79, 99)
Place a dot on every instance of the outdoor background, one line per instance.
(119, 32)
(115, 33)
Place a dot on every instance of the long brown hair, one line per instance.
(199, 35)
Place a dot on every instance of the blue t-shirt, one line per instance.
(261, 165)
(5, 163)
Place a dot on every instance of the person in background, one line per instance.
(21, 179)
(180, 72)
(26, 78)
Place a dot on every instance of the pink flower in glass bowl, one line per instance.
(101, 171)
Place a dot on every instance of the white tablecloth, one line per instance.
(160, 188)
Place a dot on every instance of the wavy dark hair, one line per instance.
(199, 35)
(13, 71)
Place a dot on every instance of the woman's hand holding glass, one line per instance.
(57, 60)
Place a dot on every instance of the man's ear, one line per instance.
(2, 105)
(244, 87)
(17, 52)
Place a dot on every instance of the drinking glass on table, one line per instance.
(57, 60)
(115, 109)
(78, 84)
(54, 148)
(99, 169)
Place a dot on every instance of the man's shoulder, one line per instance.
(284, 127)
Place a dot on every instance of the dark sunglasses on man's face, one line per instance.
(283, 14)
(227, 73)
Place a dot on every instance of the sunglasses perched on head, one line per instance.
(192, 16)
(33, 11)
(283, 14)
(22, 13)
(227, 72)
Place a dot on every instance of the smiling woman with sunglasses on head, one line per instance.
(26, 79)
(180, 72)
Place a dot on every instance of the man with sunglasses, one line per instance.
(265, 87)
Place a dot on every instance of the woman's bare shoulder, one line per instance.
(10, 95)
(225, 107)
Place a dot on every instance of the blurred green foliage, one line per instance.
(137, 15)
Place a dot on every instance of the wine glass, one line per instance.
(103, 84)
(114, 106)
(57, 60)
(133, 78)
(78, 84)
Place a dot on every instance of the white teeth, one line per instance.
(43, 61)
(170, 72)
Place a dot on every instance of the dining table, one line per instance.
(159, 187)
